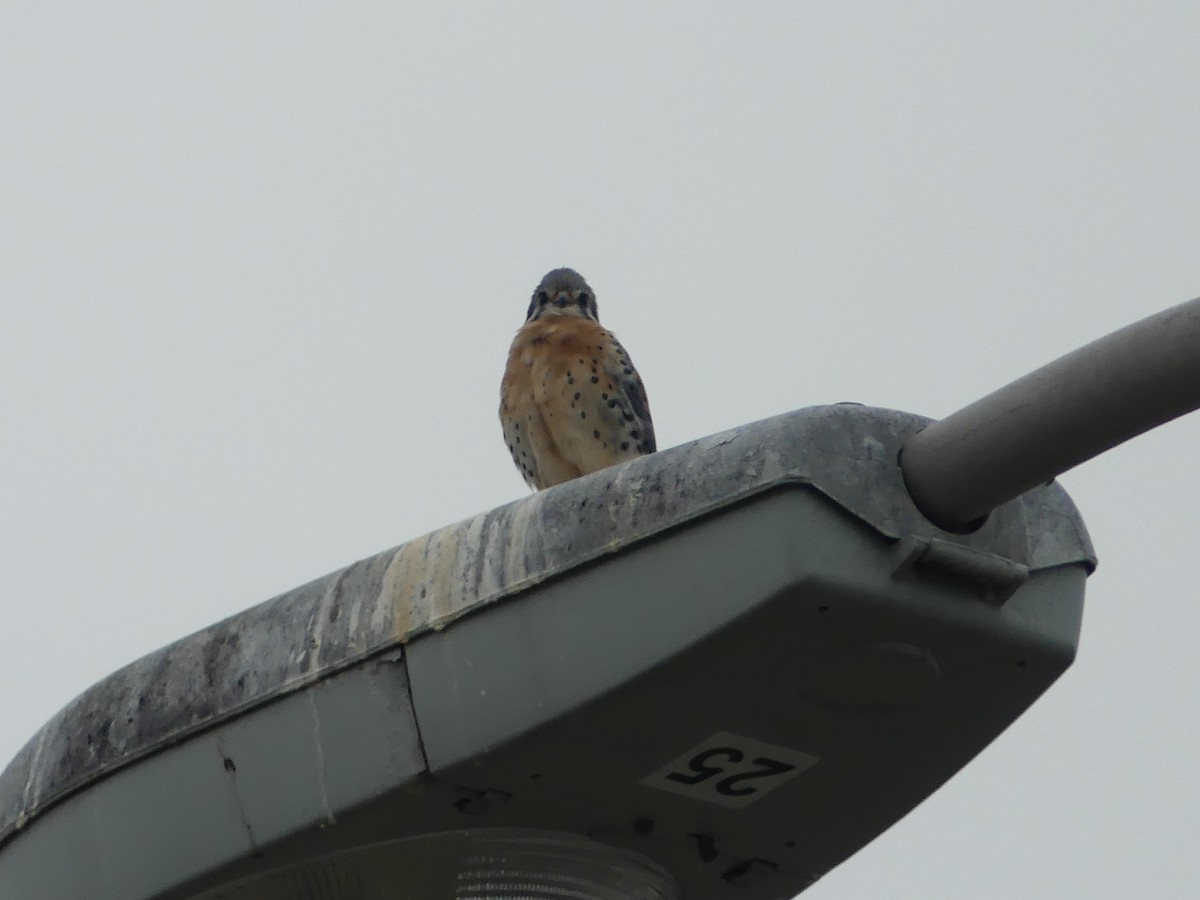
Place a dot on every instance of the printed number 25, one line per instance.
(702, 769)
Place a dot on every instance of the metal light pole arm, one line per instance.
(1056, 417)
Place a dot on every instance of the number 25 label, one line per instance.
(730, 770)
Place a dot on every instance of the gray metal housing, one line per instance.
(520, 668)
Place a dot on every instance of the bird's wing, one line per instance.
(629, 382)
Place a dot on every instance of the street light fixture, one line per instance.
(716, 671)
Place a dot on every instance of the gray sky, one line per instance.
(261, 264)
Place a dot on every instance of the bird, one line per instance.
(571, 401)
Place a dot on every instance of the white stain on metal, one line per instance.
(320, 750)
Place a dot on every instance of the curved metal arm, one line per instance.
(1056, 417)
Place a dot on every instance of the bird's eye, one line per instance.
(543, 297)
(583, 300)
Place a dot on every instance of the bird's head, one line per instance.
(563, 292)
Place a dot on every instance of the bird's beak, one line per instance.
(563, 300)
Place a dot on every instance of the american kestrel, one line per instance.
(571, 402)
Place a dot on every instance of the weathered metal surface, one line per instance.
(846, 452)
